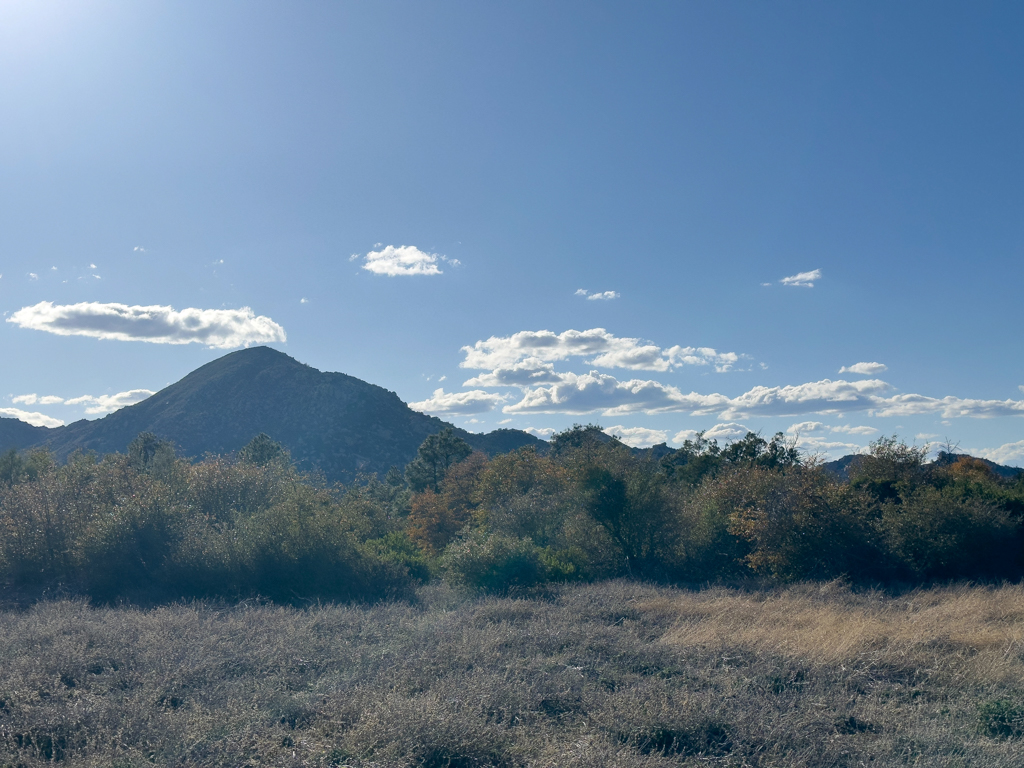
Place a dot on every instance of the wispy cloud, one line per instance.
(1010, 454)
(804, 279)
(867, 369)
(812, 427)
(404, 260)
(110, 403)
(93, 404)
(535, 349)
(31, 417)
(721, 433)
(34, 399)
(217, 328)
(544, 433)
(638, 437)
(458, 403)
(600, 296)
(597, 392)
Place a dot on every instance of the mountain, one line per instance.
(18, 434)
(336, 423)
(840, 468)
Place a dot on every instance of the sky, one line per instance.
(663, 218)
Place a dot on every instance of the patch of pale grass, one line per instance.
(956, 630)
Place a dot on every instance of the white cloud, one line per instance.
(805, 428)
(597, 392)
(31, 417)
(638, 437)
(603, 296)
(458, 403)
(403, 260)
(93, 266)
(217, 328)
(723, 433)
(604, 349)
(1019, 386)
(1009, 454)
(805, 279)
(303, 301)
(848, 430)
(868, 369)
(505, 421)
(110, 403)
(544, 433)
(33, 399)
(600, 392)
(526, 373)
(581, 292)
(948, 407)
(139, 248)
(823, 396)
(33, 276)
(815, 444)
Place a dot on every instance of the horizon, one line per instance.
(665, 220)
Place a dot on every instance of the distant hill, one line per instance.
(336, 423)
(18, 434)
(841, 467)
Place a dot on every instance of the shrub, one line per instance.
(799, 524)
(1001, 719)
(493, 562)
(939, 534)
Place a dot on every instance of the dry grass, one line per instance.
(961, 631)
(613, 674)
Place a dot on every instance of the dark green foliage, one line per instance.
(148, 453)
(700, 458)
(1001, 719)
(12, 467)
(634, 507)
(435, 457)
(493, 562)
(263, 450)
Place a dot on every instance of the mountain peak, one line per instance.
(331, 422)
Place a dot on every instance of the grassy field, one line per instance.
(608, 674)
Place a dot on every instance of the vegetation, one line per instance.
(541, 619)
(618, 673)
(147, 526)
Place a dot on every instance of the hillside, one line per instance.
(840, 468)
(336, 423)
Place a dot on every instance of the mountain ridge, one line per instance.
(331, 422)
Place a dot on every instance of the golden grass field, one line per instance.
(608, 674)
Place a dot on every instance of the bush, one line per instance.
(939, 534)
(493, 562)
(1001, 719)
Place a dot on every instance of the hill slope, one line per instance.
(329, 421)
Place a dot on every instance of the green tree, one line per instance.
(438, 454)
(263, 450)
(12, 468)
(148, 453)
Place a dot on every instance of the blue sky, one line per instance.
(586, 210)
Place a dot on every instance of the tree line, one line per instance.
(150, 526)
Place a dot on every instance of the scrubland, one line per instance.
(617, 673)
(734, 606)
